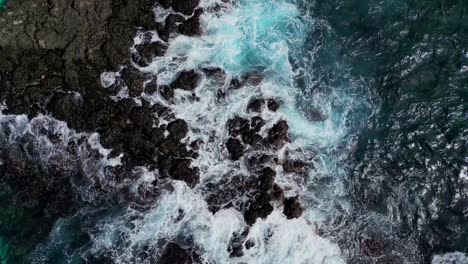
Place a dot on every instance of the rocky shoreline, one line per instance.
(54, 55)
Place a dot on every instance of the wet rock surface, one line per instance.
(184, 6)
(186, 80)
(147, 51)
(53, 65)
(292, 207)
(53, 54)
(175, 254)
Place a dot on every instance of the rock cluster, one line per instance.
(53, 55)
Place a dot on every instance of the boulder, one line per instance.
(191, 27)
(147, 51)
(294, 166)
(187, 7)
(292, 207)
(177, 129)
(273, 105)
(176, 254)
(256, 105)
(235, 148)
(278, 134)
(187, 80)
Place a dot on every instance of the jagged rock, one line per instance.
(142, 117)
(191, 27)
(294, 166)
(238, 125)
(236, 247)
(180, 169)
(292, 207)
(235, 148)
(147, 51)
(170, 27)
(278, 134)
(277, 193)
(256, 105)
(267, 179)
(166, 92)
(183, 6)
(187, 80)
(235, 83)
(175, 254)
(257, 123)
(177, 129)
(151, 87)
(273, 105)
(254, 79)
(258, 160)
(259, 208)
(252, 138)
(249, 244)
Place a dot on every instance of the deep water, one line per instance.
(375, 91)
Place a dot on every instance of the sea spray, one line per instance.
(261, 42)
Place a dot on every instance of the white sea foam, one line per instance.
(54, 144)
(245, 37)
(276, 239)
(450, 258)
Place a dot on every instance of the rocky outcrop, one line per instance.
(175, 254)
(53, 54)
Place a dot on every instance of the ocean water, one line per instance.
(392, 139)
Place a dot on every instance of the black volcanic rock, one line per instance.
(292, 207)
(235, 148)
(273, 105)
(187, 80)
(191, 27)
(180, 169)
(256, 105)
(259, 208)
(177, 129)
(278, 134)
(175, 254)
(296, 166)
(238, 125)
(183, 6)
(170, 26)
(147, 51)
(256, 123)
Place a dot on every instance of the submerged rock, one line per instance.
(316, 115)
(187, 80)
(175, 254)
(256, 105)
(147, 51)
(296, 166)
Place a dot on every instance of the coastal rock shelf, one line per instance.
(233, 131)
